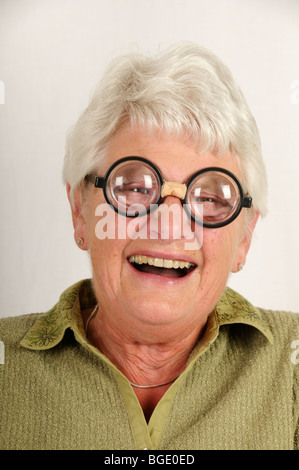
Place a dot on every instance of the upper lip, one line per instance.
(156, 254)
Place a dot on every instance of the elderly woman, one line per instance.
(166, 182)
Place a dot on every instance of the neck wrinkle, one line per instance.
(143, 364)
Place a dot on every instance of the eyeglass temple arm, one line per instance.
(96, 180)
(247, 202)
(99, 182)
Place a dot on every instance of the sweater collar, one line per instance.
(49, 329)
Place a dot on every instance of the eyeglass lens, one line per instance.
(132, 185)
(213, 197)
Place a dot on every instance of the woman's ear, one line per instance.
(79, 222)
(245, 242)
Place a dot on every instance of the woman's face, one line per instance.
(134, 298)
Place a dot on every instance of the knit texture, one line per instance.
(239, 391)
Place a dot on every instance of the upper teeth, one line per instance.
(160, 262)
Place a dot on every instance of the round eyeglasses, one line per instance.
(213, 197)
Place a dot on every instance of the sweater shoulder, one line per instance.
(283, 324)
(13, 329)
(279, 316)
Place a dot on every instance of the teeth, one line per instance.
(160, 262)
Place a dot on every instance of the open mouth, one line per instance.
(161, 267)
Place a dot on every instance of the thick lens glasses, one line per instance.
(134, 186)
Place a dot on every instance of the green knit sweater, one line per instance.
(239, 391)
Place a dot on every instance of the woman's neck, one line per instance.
(154, 363)
(150, 363)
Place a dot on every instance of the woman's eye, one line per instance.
(133, 191)
(213, 201)
(139, 190)
(209, 200)
(205, 199)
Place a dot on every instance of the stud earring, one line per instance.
(80, 241)
(240, 266)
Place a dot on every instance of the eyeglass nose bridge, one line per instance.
(170, 188)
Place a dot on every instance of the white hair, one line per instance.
(184, 89)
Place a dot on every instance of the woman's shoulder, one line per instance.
(279, 316)
(283, 324)
(14, 328)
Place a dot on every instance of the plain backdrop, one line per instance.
(53, 52)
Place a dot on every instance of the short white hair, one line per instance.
(183, 89)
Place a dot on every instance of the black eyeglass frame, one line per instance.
(101, 182)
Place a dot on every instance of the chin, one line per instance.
(157, 311)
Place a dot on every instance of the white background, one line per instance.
(52, 53)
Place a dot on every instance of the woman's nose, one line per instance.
(171, 220)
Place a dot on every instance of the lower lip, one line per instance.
(162, 280)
